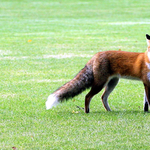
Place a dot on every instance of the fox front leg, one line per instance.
(146, 98)
(146, 104)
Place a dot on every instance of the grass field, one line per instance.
(43, 44)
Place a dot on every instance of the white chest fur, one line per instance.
(148, 76)
(148, 65)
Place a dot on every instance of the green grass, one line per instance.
(33, 34)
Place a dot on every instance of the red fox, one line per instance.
(104, 70)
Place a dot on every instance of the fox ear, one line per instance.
(148, 39)
(147, 36)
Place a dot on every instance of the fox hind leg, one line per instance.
(94, 90)
(108, 89)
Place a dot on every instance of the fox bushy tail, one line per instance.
(78, 84)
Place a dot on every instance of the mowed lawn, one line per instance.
(44, 44)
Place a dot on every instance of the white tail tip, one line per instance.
(51, 101)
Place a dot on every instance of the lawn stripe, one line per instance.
(60, 56)
(128, 23)
(43, 80)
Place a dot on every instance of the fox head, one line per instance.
(148, 50)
